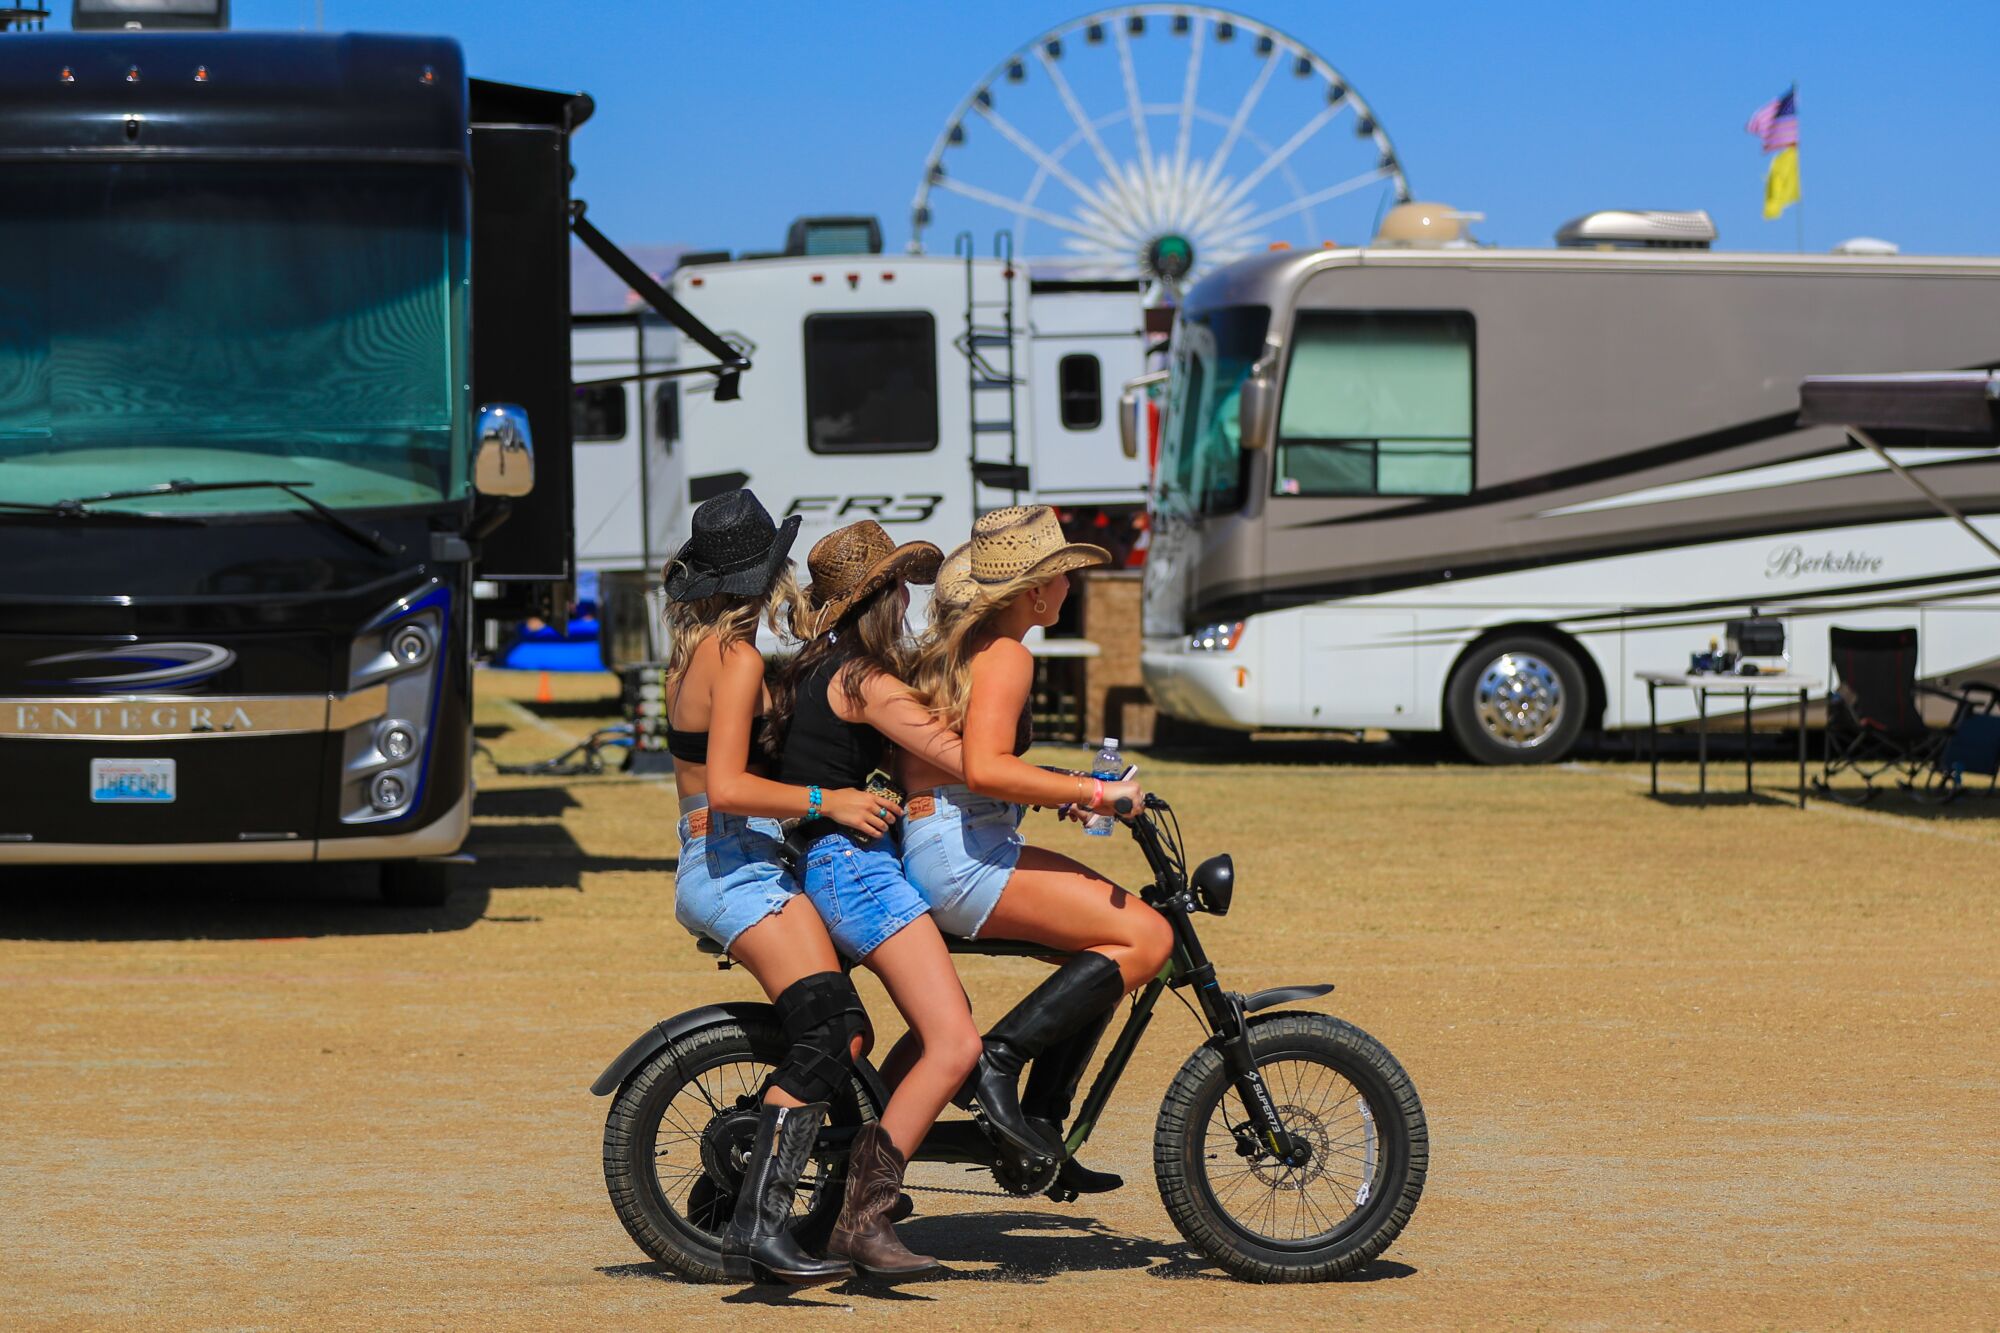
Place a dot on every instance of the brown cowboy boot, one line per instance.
(863, 1235)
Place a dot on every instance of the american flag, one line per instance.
(1777, 122)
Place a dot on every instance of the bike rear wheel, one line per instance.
(1340, 1092)
(676, 1139)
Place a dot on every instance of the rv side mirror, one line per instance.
(503, 461)
(1128, 409)
(1257, 400)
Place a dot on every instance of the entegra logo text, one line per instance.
(162, 666)
(1791, 562)
(134, 719)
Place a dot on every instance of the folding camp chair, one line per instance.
(1875, 722)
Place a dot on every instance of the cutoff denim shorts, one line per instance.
(859, 889)
(961, 856)
(731, 877)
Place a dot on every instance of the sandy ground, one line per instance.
(1722, 1068)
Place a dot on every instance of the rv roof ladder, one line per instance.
(992, 382)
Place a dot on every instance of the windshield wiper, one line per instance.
(366, 536)
(70, 509)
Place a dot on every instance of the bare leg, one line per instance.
(915, 967)
(786, 946)
(1051, 899)
(909, 1049)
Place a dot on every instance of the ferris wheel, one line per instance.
(1160, 140)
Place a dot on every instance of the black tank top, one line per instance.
(821, 749)
(691, 747)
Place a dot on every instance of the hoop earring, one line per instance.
(1041, 607)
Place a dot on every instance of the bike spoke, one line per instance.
(1292, 1204)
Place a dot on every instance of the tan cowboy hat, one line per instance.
(849, 563)
(955, 588)
(1022, 545)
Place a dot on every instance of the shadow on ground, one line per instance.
(1021, 1247)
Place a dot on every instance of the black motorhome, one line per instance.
(277, 314)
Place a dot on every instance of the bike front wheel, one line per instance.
(1342, 1094)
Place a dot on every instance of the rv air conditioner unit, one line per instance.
(853, 235)
(93, 15)
(1638, 229)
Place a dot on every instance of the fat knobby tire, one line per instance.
(1178, 1148)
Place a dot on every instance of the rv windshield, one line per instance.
(1201, 455)
(220, 322)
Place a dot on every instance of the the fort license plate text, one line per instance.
(122, 781)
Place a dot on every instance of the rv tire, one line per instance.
(1517, 698)
(416, 883)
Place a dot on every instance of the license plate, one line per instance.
(131, 781)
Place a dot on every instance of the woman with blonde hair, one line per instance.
(963, 850)
(844, 704)
(732, 884)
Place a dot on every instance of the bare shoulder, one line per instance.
(1003, 656)
(741, 659)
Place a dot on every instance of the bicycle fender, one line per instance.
(1264, 999)
(670, 1030)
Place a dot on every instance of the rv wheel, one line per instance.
(1517, 699)
(416, 883)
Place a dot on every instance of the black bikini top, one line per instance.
(691, 747)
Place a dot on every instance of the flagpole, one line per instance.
(1799, 205)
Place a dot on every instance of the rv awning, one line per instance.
(1946, 409)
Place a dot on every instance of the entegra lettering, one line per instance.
(138, 718)
(1790, 562)
(914, 508)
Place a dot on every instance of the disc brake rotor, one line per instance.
(1300, 1124)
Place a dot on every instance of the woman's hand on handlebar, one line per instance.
(1130, 792)
(863, 811)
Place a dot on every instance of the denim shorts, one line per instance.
(961, 855)
(730, 877)
(859, 889)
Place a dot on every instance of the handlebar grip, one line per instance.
(1123, 805)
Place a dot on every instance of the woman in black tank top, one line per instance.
(732, 883)
(842, 703)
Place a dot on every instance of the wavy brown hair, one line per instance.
(730, 619)
(869, 635)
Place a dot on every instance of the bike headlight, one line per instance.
(1219, 637)
(1214, 884)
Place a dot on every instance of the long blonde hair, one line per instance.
(730, 619)
(941, 676)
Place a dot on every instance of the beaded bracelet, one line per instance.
(813, 798)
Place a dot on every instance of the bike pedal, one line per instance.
(1062, 1194)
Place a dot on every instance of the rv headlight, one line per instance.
(389, 791)
(411, 644)
(1220, 637)
(396, 739)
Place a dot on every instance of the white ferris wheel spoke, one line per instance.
(1308, 201)
(1182, 140)
(1043, 159)
(1135, 107)
(1023, 209)
(1242, 117)
(1083, 122)
(1277, 159)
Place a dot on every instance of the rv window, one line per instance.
(1377, 403)
(871, 383)
(667, 414)
(1080, 385)
(1201, 449)
(597, 412)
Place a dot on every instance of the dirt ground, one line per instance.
(1699, 1069)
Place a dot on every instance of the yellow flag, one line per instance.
(1781, 185)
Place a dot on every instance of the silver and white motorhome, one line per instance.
(917, 390)
(1475, 490)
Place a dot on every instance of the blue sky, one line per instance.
(717, 124)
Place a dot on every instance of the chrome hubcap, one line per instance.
(1519, 700)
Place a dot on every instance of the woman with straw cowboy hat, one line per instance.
(845, 703)
(732, 884)
(961, 844)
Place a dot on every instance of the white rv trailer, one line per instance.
(1475, 490)
(916, 390)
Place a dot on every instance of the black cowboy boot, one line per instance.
(758, 1242)
(1051, 1087)
(1079, 992)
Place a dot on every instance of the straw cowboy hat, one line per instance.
(849, 563)
(955, 588)
(736, 549)
(1022, 545)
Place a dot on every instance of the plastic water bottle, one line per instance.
(1108, 767)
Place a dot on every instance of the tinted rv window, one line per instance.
(1377, 403)
(1201, 449)
(1080, 385)
(871, 383)
(597, 412)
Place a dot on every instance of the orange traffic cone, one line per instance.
(544, 694)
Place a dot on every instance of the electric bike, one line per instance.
(1290, 1147)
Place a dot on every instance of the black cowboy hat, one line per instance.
(736, 549)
